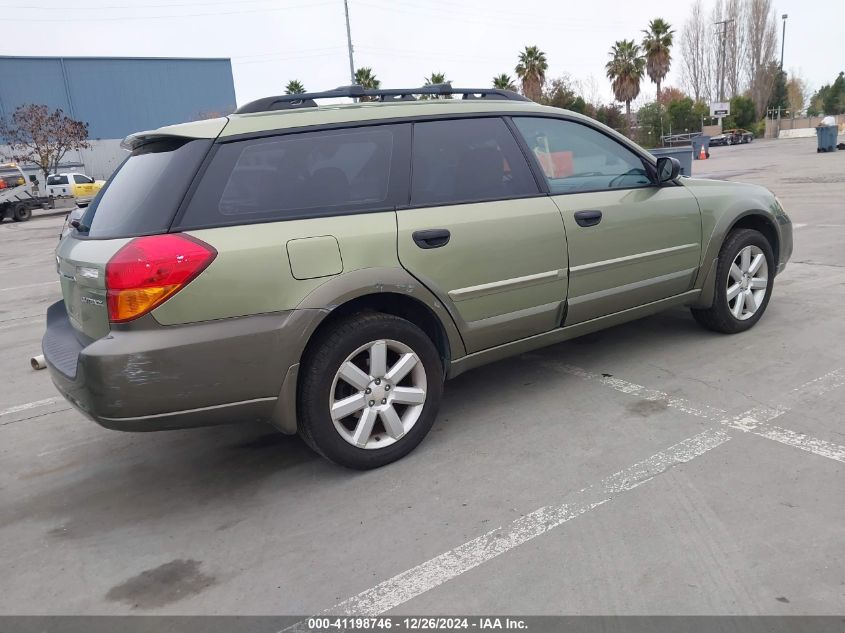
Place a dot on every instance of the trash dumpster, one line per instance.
(683, 154)
(826, 135)
(697, 143)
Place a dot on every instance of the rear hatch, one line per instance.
(141, 198)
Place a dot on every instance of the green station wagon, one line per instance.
(325, 269)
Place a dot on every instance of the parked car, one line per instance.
(735, 136)
(73, 185)
(324, 269)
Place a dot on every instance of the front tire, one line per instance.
(370, 390)
(744, 280)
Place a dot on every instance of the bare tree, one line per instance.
(694, 49)
(796, 91)
(735, 46)
(762, 38)
(42, 138)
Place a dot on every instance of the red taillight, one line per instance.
(148, 270)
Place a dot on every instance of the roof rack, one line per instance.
(308, 99)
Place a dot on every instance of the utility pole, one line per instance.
(783, 39)
(723, 37)
(349, 43)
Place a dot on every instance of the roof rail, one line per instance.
(308, 99)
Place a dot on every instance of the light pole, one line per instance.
(783, 39)
(349, 43)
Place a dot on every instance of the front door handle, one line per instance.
(431, 238)
(587, 218)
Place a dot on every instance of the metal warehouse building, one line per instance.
(117, 96)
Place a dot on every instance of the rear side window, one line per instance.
(298, 175)
(145, 192)
(467, 160)
(57, 180)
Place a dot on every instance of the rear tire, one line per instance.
(744, 283)
(21, 213)
(369, 391)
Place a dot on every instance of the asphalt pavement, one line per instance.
(653, 468)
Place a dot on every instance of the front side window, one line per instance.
(467, 160)
(575, 157)
(79, 179)
(294, 176)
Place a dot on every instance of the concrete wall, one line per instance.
(775, 128)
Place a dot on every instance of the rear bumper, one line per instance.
(148, 377)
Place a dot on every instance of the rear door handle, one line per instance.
(431, 238)
(587, 218)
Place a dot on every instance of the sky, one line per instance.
(403, 41)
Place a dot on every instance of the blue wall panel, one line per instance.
(118, 96)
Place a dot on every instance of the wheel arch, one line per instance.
(755, 219)
(389, 291)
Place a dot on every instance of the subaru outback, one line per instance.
(325, 268)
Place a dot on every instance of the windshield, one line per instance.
(143, 195)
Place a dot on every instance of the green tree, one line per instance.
(742, 114)
(685, 115)
(625, 71)
(830, 98)
(531, 70)
(657, 45)
(503, 82)
(651, 120)
(779, 99)
(365, 78)
(610, 115)
(294, 87)
(558, 93)
(433, 80)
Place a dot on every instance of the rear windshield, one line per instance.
(142, 196)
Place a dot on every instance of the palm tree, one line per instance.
(436, 78)
(625, 71)
(294, 87)
(656, 45)
(503, 82)
(531, 69)
(365, 78)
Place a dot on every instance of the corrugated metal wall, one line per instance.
(118, 96)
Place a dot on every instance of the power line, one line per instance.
(169, 16)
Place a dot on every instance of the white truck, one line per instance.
(73, 185)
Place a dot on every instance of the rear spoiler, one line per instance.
(208, 128)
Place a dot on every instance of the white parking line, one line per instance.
(29, 405)
(436, 571)
(756, 421)
(623, 386)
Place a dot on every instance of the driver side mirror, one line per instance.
(668, 169)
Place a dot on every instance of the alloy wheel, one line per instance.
(378, 394)
(748, 282)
